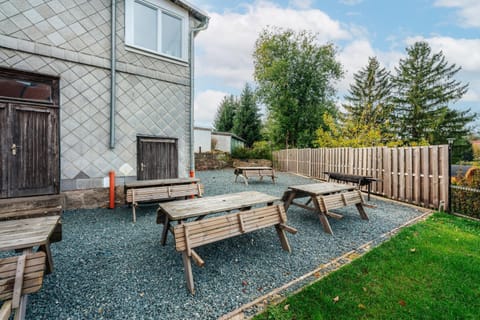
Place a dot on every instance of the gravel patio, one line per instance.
(106, 267)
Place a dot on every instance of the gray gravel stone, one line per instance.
(106, 267)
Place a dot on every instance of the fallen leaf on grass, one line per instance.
(362, 306)
(336, 299)
(402, 303)
(364, 289)
(413, 250)
(286, 307)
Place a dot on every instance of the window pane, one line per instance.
(171, 35)
(25, 89)
(145, 26)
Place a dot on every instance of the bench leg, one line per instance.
(283, 238)
(322, 217)
(49, 261)
(22, 309)
(187, 265)
(134, 213)
(166, 226)
(362, 212)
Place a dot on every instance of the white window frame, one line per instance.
(162, 6)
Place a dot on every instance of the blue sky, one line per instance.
(359, 29)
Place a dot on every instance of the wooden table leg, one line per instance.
(283, 238)
(362, 212)
(49, 261)
(166, 226)
(291, 196)
(187, 265)
(322, 217)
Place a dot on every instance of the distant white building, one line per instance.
(227, 142)
(202, 139)
(205, 139)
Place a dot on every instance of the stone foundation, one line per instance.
(212, 161)
(92, 198)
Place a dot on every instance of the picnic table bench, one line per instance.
(163, 189)
(192, 234)
(247, 172)
(357, 179)
(325, 196)
(19, 276)
(23, 274)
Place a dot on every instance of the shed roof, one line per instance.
(229, 134)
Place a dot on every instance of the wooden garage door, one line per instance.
(29, 139)
(157, 158)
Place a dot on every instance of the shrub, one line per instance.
(260, 150)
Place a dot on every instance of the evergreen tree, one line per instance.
(424, 87)
(369, 100)
(247, 123)
(225, 114)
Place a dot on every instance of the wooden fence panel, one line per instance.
(417, 175)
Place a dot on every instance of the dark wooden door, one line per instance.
(33, 169)
(3, 150)
(29, 134)
(157, 158)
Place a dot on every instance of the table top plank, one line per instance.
(26, 233)
(160, 182)
(323, 188)
(184, 209)
(254, 168)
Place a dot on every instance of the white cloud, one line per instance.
(353, 57)
(205, 106)
(469, 10)
(226, 47)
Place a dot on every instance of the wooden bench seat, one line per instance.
(152, 194)
(19, 276)
(339, 200)
(194, 234)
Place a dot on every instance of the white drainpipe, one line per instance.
(193, 32)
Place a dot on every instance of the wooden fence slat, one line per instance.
(412, 174)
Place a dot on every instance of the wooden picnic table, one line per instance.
(358, 179)
(247, 172)
(192, 234)
(25, 234)
(325, 196)
(198, 208)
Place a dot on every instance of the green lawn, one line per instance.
(428, 271)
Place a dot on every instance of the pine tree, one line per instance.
(424, 87)
(247, 123)
(225, 114)
(369, 100)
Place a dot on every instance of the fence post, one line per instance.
(449, 204)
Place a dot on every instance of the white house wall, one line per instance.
(223, 142)
(203, 140)
(71, 39)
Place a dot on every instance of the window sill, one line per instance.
(156, 55)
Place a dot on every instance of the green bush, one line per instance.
(260, 150)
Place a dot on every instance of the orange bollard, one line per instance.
(192, 174)
(111, 174)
